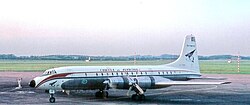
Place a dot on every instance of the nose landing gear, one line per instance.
(52, 99)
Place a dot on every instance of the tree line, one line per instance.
(115, 58)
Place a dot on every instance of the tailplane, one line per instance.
(188, 58)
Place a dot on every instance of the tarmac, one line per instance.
(236, 93)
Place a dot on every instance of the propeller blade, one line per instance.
(129, 90)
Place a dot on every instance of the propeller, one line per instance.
(133, 85)
(129, 90)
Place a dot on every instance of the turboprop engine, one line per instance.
(146, 82)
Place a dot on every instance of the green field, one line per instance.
(222, 67)
(207, 67)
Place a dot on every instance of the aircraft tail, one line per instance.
(188, 58)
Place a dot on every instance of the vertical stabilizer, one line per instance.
(188, 58)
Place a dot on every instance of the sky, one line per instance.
(123, 27)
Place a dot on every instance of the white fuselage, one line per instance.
(64, 74)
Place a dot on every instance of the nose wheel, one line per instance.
(52, 99)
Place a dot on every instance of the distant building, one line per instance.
(88, 60)
(229, 61)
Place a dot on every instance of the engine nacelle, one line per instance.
(146, 82)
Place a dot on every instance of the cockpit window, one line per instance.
(193, 39)
(49, 72)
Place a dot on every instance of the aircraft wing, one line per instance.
(168, 83)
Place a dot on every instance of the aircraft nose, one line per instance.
(32, 83)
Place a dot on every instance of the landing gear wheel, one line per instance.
(52, 100)
(101, 94)
(133, 96)
(138, 97)
(105, 94)
(142, 97)
(98, 94)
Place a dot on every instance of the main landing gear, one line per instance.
(52, 99)
(138, 97)
(102, 94)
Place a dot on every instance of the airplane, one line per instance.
(133, 78)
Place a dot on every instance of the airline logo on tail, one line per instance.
(190, 56)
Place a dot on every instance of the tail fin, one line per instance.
(188, 58)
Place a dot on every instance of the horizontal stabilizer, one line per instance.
(169, 83)
(208, 78)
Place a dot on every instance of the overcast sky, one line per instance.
(115, 27)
